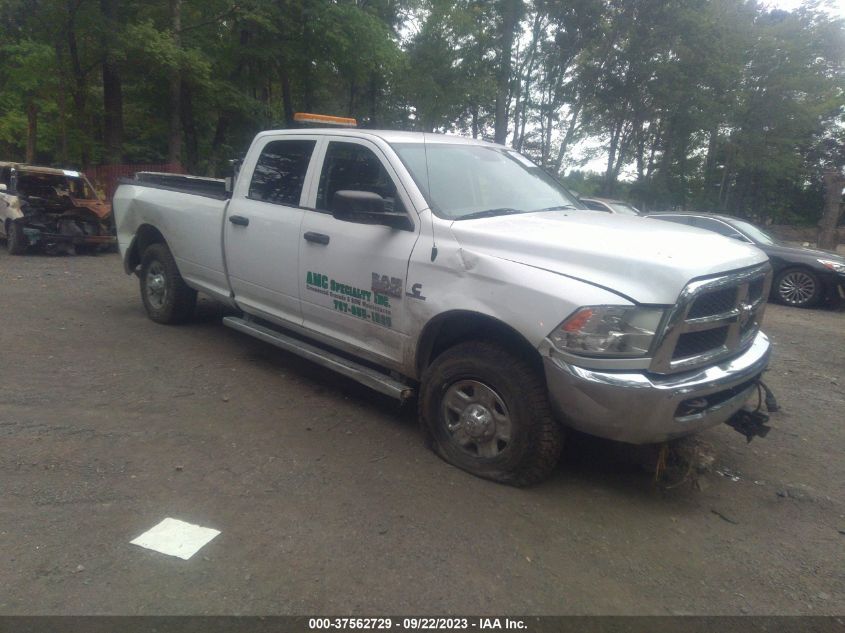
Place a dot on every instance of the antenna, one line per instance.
(430, 212)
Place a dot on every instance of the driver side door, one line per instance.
(352, 274)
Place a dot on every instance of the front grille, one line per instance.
(693, 343)
(714, 302)
(714, 319)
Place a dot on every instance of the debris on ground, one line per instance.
(799, 492)
(724, 517)
(683, 461)
(729, 474)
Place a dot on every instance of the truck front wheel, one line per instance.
(487, 412)
(166, 296)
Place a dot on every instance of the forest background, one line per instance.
(721, 105)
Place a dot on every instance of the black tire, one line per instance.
(167, 298)
(16, 242)
(799, 287)
(534, 438)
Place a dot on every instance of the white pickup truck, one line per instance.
(459, 272)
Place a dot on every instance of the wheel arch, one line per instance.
(455, 326)
(145, 236)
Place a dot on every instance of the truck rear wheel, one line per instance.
(166, 296)
(487, 412)
(16, 241)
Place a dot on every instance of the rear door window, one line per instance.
(279, 174)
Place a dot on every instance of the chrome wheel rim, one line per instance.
(156, 284)
(476, 419)
(797, 288)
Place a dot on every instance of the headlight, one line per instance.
(837, 267)
(608, 331)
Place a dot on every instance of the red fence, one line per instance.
(105, 177)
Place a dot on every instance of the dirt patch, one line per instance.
(328, 502)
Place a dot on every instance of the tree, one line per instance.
(834, 183)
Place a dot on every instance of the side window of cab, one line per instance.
(354, 167)
(279, 175)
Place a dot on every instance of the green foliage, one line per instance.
(716, 104)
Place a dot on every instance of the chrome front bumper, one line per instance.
(642, 408)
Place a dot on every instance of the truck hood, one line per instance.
(644, 260)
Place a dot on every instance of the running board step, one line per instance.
(361, 373)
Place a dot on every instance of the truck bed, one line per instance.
(189, 218)
(199, 185)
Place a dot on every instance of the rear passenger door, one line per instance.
(352, 275)
(261, 231)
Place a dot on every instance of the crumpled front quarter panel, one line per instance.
(531, 301)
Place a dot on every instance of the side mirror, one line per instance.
(366, 207)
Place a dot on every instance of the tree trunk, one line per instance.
(79, 88)
(523, 84)
(611, 158)
(287, 99)
(174, 154)
(567, 138)
(220, 132)
(31, 130)
(62, 104)
(510, 12)
(834, 182)
(112, 89)
(189, 126)
(373, 93)
(350, 106)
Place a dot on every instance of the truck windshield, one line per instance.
(462, 182)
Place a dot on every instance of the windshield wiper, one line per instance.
(489, 213)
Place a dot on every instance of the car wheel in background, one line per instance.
(798, 287)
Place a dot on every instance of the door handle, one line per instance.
(239, 220)
(316, 238)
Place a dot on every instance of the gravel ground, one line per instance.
(328, 502)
